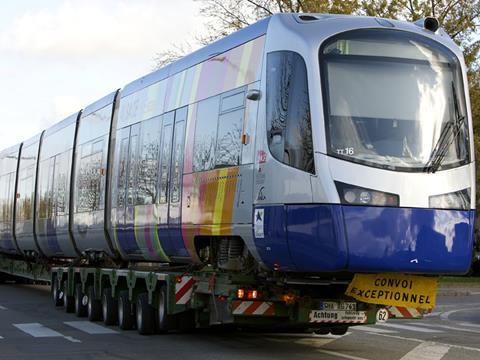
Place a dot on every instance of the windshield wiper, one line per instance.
(449, 133)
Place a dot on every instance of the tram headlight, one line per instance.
(459, 200)
(355, 195)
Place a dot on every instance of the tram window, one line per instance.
(233, 101)
(206, 134)
(165, 163)
(229, 145)
(25, 187)
(288, 111)
(133, 167)
(122, 169)
(45, 188)
(89, 176)
(149, 156)
(4, 195)
(177, 160)
(61, 180)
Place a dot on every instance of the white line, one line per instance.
(469, 324)
(451, 328)
(445, 315)
(1, 337)
(69, 338)
(373, 329)
(411, 328)
(90, 328)
(37, 330)
(427, 351)
(345, 356)
(3, 307)
(421, 341)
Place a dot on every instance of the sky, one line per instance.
(58, 56)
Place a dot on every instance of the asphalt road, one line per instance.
(31, 328)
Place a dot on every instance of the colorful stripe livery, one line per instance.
(237, 67)
(208, 204)
(146, 234)
(208, 207)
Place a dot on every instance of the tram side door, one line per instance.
(175, 191)
(170, 183)
(125, 189)
(164, 179)
(132, 170)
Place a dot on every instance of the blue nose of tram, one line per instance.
(328, 238)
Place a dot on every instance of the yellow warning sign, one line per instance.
(394, 290)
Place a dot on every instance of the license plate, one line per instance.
(334, 305)
(338, 316)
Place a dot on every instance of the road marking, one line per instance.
(3, 307)
(449, 327)
(1, 337)
(345, 356)
(427, 351)
(411, 328)
(398, 337)
(373, 329)
(445, 315)
(39, 331)
(469, 324)
(90, 328)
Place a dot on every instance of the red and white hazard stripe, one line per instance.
(405, 312)
(184, 290)
(251, 308)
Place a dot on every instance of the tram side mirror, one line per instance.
(254, 94)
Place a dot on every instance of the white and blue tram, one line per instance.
(310, 143)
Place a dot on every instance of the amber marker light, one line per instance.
(289, 298)
(240, 293)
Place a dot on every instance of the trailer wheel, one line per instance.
(165, 322)
(57, 294)
(94, 306)
(109, 308)
(126, 318)
(145, 315)
(68, 301)
(339, 330)
(80, 302)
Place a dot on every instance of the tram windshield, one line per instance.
(394, 100)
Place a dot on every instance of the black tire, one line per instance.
(126, 317)
(94, 307)
(339, 330)
(109, 308)
(68, 301)
(165, 322)
(57, 294)
(81, 309)
(145, 315)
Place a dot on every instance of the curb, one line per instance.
(457, 292)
